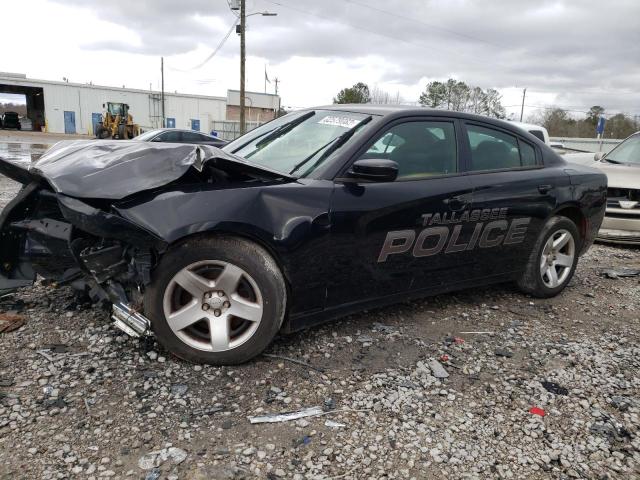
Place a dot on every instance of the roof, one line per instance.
(408, 110)
(12, 79)
(528, 126)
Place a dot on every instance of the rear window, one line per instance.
(495, 150)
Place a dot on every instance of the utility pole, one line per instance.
(524, 94)
(243, 52)
(277, 81)
(162, 94)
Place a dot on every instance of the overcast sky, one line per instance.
(569, 53)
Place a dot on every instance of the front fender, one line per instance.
(291, 220)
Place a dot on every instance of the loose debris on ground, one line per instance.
(78, 399)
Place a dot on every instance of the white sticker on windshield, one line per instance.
(346, 122)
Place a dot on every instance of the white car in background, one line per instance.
(622, 218)
(539, 132)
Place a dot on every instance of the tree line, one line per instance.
(450, 95)
(19, 108)
(560, 123)
(459, 96)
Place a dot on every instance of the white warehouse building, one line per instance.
(64, 107)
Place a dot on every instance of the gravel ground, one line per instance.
(78, 399)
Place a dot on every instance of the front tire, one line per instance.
(553, 259)
(216, 300)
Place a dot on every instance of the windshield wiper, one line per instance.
(276, 131)
(612, 161)
(337, 143)
(281, 130)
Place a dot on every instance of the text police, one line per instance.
(491, 230)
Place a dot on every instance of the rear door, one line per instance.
(392, 237)
(513, 195)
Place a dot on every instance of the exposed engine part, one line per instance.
(129, 321)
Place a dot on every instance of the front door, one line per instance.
(69, 122)
(512, 195)
(397, 236)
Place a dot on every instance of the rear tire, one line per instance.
(216, 300)
(553, 259)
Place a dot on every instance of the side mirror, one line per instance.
(598, 156)
(374, 170)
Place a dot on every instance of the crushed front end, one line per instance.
(70, 241)
(65, 224)
(82, 243)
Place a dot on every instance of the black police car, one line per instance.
(317, 214)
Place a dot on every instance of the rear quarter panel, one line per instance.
(589, 194)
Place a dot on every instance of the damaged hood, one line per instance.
(116, 169)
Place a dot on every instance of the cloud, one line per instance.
(583, 51)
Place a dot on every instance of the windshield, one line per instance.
(297, 141)
(115, 108)
(627, 152)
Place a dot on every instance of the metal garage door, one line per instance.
(95, 119)
(69, 122)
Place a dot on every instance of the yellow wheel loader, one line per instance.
(117, 122)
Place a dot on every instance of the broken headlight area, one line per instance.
(69, 241)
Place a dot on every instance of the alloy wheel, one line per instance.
(557, 258)
(213, 305)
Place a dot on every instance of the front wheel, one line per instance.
(218, 300)
(553, 259)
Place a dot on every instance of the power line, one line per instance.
(559, 107)
(215, 51)
(378, 33)
(430, 25)
(590, 92)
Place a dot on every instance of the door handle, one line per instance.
(545, 188)
(459, 202)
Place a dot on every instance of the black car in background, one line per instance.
(176, 135)
(315, 215)
(11, 120)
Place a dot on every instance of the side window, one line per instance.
(527, 154)
(421, 149)
(191, 137)
(170, 136)
(494, 150)
(384, 146)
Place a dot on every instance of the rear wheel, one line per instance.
(216, 300)
(553, 260)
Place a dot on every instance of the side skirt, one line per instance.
(301, 322)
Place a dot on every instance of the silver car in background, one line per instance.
(622, 166)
